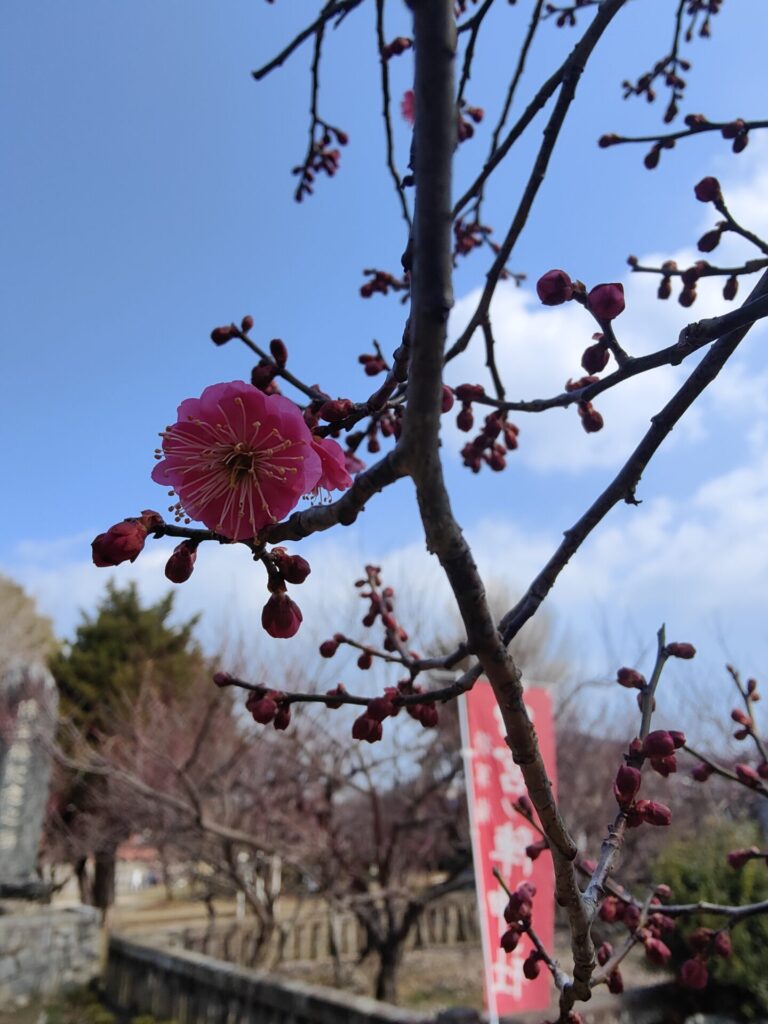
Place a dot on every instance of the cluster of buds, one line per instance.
(383, 282)
(486, 446)
(397, 47)
(652, 157)
(754, 778)
(704, 943)
(381, 603)
(268, 706)
(468, 236)
(615, 980)
(737, 133)
(368, 726)
(658, 748)
(281, 616)
(517, 914)
(321, 158)
(466, 119)
(605, 302)
(124, 541)
(372, 364)
(221, 335)
(388, 423)
(266, 370)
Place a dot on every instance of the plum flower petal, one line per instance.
(238, 459)
(334, 475)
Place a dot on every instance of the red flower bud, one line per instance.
(626, 785)
(699, 940)
(701, 772)
(281, 617)
(293, 568)
(730, 288)
(222, 679)
(609, 909)
(615, 983)
(337, 690)
(675, 650)
(465, 419)
(658, 744)
(531, 967)
(179, 566)
(658, 952)
(743, 719)
(122, 542)
(629, 678)
(365, 660)
(380, 708)
(428, 715)
(678, 738)
(591, 419)
(609, 139)
(554, 288)
(535, 850)
(151, 520)
(665, 288)
(722, 945)
(279, 352)
(747, 775)
(469, 392)
(262, 710)
(738, 858)
(328, 648)
(335, 411)
(509, 940)
(595, 358)
(606, 301)
(367, 728)
(732, 130)
(221, 335)
(709, 240)
(604, 953)
(447, 399)
(654, 813)
(693, 974)
(708, 191)
(665, 766)
(246, 324)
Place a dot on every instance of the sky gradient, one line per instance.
(147, 196)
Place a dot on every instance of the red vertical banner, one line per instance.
(499, 838)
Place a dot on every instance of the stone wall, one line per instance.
(191, 988)
(44, 950)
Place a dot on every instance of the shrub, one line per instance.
(697, 869)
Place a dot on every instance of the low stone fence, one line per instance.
(44, 950)
(191, 988)
(450, 922)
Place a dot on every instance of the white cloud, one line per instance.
(539, 348)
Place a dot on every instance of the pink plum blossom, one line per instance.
(334, 475)
(240, 460)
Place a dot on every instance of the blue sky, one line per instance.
(147, 197)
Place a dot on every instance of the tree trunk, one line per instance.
(390, 956)
(104, 878)
(84, 887)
